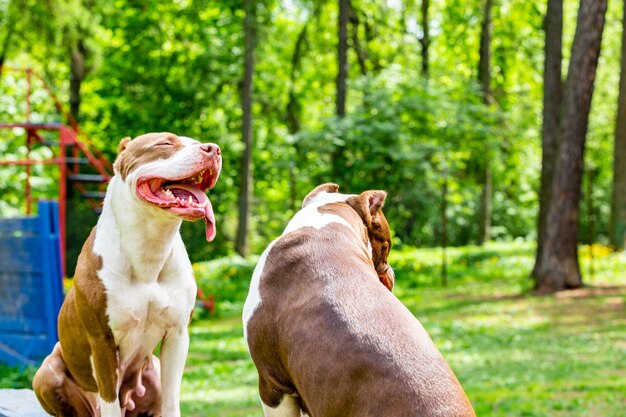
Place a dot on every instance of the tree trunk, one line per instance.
(338, 161)
(425, 39)
(484, 77)
(552, 91)
(618, 202)
(342, 57)
(245, 189)
(444, 227)
(361, 54)
(559, 269)
(484, 60)
(293, 110)
(78, 73)
(293, 107)
(484, 209)
(591, 175)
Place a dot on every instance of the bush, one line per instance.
(14, 377)
(227, 279)
(465, 265)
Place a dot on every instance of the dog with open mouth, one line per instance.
(134, 286)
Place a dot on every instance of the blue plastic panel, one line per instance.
(31, 288)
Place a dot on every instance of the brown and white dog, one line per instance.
(134, 286)
(326, 337)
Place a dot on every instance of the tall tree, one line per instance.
(617, 226)
(484, 58)
(552, 90)
(342, 57)
(425, 39)
(484, 77)
(338, 156)
(559, 267)
(361, 55)
(78, 71)
(78, 31)
(293, 107)
(245, 187)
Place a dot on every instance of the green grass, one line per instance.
(515, 354)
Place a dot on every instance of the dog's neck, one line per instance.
(143, 236)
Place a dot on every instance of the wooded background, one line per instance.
(482, 119)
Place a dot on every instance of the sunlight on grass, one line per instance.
(220, 379)
(515, 354)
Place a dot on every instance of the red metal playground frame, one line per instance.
(72, 154)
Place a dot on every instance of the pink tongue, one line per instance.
(209, 219)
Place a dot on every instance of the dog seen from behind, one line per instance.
(133, 287)
(326, 337)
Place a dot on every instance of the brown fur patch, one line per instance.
(364, 211)
(145, 148)
(57, 393)
(84, 330)
(369, 205)
(123, 144)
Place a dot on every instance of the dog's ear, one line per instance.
(123, 144)
(329, 187)
(368, 204)
(118, 165)
(376, 201)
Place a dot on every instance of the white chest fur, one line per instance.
(141, 313)
(147, 276)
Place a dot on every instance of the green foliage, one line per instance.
(177, 66)
(12, 377)
(493, 263)
(404, 135)
(227, 279)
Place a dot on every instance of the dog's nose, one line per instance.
(211, 148)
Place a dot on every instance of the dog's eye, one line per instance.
(165, 144)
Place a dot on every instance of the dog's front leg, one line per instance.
(104, 361)
(174, 351)
(109, 409)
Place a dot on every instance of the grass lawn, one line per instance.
(515, 354)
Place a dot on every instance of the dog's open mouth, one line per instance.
(185, 197)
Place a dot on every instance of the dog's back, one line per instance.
(327, 337)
